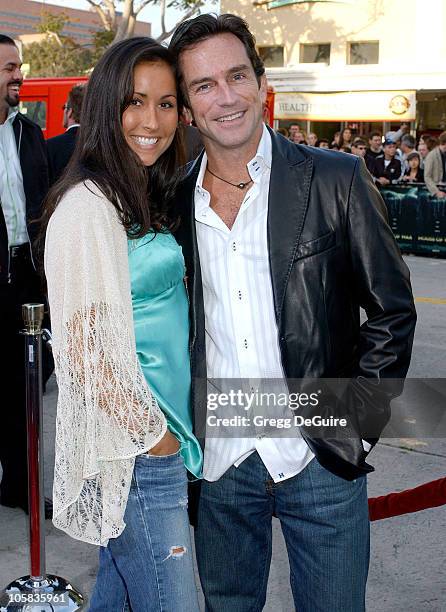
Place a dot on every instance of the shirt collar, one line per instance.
(72, 126)
(258, 164)
(12, 112)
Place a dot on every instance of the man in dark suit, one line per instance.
(283, 244)
(60, 148)
(387, 168)
(23, 186)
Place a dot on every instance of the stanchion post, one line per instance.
(38, 591)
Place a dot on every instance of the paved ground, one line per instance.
(407, 571)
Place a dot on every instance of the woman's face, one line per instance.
(414, 163)
(150, 120)
(347, 134)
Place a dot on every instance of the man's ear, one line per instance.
(263, 88)
(70, 114)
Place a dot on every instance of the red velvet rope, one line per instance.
(429, 495)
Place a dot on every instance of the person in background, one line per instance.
(375, 147)
(299, 137)
(294, 127)
(60, 148)
(336, 140)
(119, 309)
(346, 138)
(359, 147)
(423, 151)
(312, 139)
(431, 143)
(23, 186)
(414, 172)
(408, 144)
(387, 169)
(346, 148)
(283, 131)
(323, 143)
(435, 168)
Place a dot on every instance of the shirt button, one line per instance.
(239, 295)
(245, 343)
(234, 247)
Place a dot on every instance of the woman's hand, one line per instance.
(168, 445)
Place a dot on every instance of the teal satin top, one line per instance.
(161, 320)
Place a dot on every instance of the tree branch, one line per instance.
(166, 33)
(108, 18)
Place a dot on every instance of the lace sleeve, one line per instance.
(106, 414)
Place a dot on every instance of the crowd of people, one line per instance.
(395, 157)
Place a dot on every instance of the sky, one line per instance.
(148, 14)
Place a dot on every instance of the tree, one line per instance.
(56, 55)
(124, 26)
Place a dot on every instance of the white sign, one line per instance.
(346, 106)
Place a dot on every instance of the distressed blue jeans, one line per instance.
(325, 524)
(149, 567)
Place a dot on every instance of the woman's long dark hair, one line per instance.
(140, 194)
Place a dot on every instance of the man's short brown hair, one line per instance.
(75, 100)
(442, 138)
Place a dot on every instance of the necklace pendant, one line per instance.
(241, 185)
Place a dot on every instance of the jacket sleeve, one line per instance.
(106, 414)
(381, 281)
(429, 164)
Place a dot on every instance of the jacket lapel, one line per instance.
(289, 191)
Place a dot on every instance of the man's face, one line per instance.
(223, 92)
(11, 77)
(422, 149)
(359, 149)
(390, 150)
(375, 143)
(293, 130)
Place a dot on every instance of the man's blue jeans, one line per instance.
(150, 564)
(324, 521)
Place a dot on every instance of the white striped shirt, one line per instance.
(241, 331)
(12, 193)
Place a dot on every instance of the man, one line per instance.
(387, 169)
(375, 147)
(23, 185)
(435, 168)
(60, 148)
(292, 130)
(408, 143)
(283, 243)
(359, 148)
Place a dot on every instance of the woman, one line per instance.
(345, 138)
(414, 173)
(119, 315)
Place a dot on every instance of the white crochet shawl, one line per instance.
(106, 414)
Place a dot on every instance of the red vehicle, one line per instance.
(42, 101)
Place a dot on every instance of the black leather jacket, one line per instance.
(331, 252)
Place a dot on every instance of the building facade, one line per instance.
(20, 18)
(369, 64)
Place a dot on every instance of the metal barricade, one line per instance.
(39, 591)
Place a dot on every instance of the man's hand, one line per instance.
(383, 181)
(440, 194)
(168, 445)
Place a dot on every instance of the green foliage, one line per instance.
(49, 22)
(101, 40)
(56, 55)
(49, 59)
